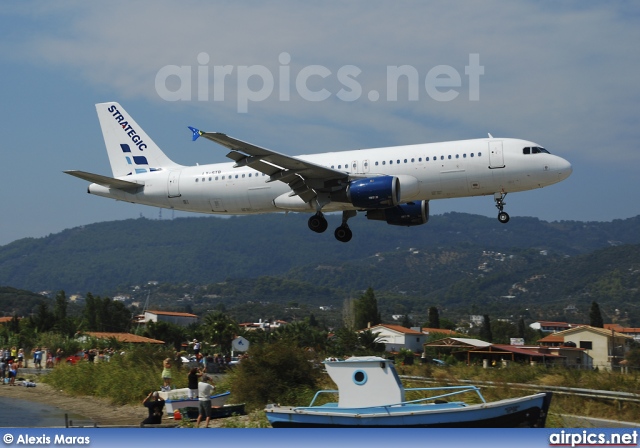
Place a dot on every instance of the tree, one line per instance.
(348, 314)
(344, 343)
(43, 320)
(219, 329)
(60, 307)
(167, 332)
(303, 335)
(595, 317)
(62, 323)
(522, 329)
(366, 310)
(105, 315)
(434, 318)
(273, 373)
(485, 330)
(447, 324)
(633, 356)
(371, 341)
(502, 332)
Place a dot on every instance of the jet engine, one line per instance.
(409, 214)
(382, 192)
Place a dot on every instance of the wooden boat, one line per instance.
(179, 398)
(370, 394)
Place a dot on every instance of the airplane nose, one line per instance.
(564, 168)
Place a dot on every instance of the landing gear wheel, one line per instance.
(343, 233)
(318, 223)
(503, 217)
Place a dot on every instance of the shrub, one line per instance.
(277, 372)
(125, 379)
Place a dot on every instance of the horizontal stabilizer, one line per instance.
(105, 181)
(196, 133)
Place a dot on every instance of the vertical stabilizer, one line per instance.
(130, 149)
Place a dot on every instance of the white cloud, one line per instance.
(547, 70)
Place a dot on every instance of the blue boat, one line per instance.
(371, 395)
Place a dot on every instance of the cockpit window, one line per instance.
(534, 150)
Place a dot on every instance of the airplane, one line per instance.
(392, 184)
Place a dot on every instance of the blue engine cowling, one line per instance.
(409, 214)
(374, 192)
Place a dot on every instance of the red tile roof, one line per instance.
(4, 320)
(398, 328)
(123, 337)
(620, 329)
(439, 330)
(172, 313)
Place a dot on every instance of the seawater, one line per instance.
(28, 414)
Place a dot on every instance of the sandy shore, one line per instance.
(98, 410)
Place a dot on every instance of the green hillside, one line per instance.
(461, 263)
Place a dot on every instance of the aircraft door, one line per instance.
(496, 156)
(365, 166)
(173, 186)
(354, 167)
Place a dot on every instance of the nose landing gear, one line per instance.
(503, 216)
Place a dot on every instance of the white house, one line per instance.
(182, 319)
(395, 337)
(606, 348)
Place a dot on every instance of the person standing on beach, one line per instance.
(166, 374)
(196, 348)
(37, 358)
(205, 390)
(13, 372)
(192, 379)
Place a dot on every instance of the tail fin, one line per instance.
(130, 149)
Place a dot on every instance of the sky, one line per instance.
(307, 77)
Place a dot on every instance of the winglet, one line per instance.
(196, 133)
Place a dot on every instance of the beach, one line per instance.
(94, 410)
(97, 410)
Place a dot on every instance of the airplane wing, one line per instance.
(105, 181)
(304, 178)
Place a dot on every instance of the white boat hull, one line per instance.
(178, 398)
(529, 411)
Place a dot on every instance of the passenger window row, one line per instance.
(346, 165)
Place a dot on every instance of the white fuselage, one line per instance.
(442, 170)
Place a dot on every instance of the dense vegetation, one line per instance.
(271, 267)
(282, 372)
(100, 257)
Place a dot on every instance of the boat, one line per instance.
(176, 399)
(371, 395)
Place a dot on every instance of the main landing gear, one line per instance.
(318, 223)
(503, 216)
